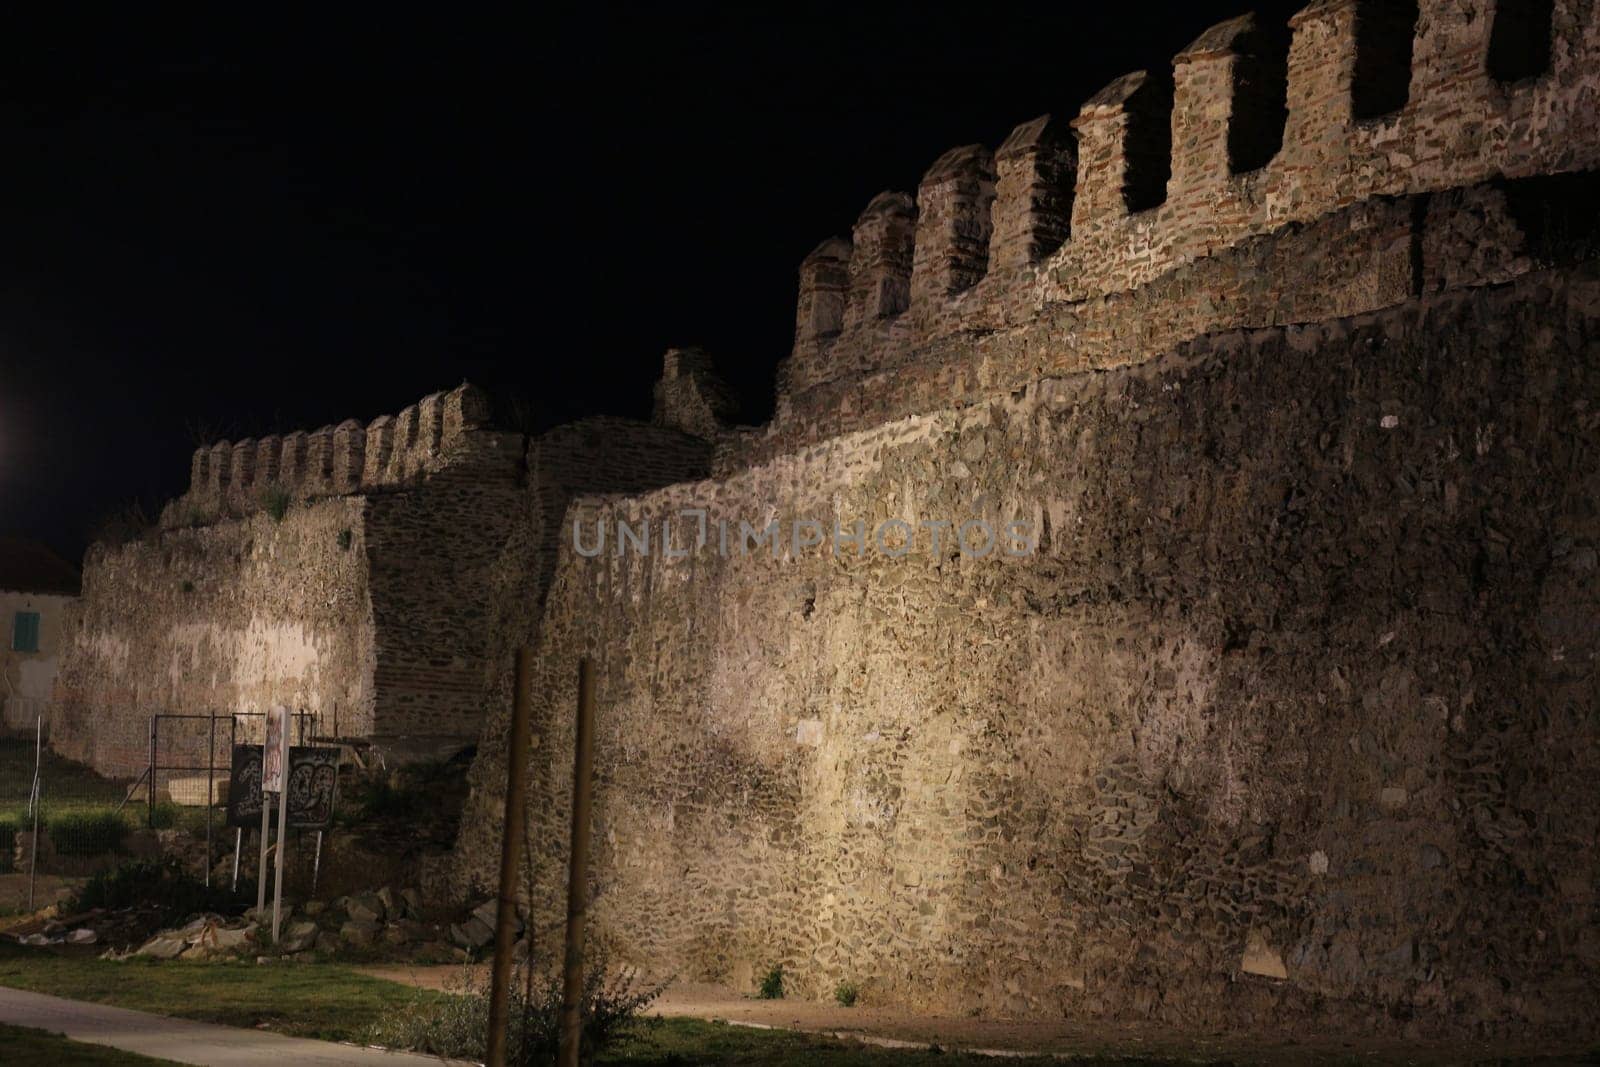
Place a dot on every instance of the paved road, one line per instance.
(185, 1041)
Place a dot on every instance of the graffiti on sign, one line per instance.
(313, 786)
(313, 781)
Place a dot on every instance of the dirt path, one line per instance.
(185, 1041)
(1001, 1038)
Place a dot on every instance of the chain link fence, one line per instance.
(61, 820)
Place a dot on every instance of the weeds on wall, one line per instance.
(275, 500)
(772, 984)
(346, 539)
(845, 993)
(125, 526)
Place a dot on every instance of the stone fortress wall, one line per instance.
(362, 574)
(1289, 716)
(1106, 223)
(334, 572)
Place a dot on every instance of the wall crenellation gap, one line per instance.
(1253, 126)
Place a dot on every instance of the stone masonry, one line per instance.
(1286, 357)
(1289, 357)
(363, 575)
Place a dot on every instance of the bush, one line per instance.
(164, 816)
(458, 1026)
(163, 883)
(275, 501)
(87, 833)
(846, 994)
(387, 797)
(132, 523)
(772, 984)
(8, 844)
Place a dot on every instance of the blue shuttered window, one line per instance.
(25, 632)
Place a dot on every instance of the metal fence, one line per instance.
(60, 820)
(190, 758)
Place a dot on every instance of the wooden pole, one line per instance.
(510, 857)
(211, 779)
(150, 793)
(577, 883)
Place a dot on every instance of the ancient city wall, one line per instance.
(231, 478)
(359, 598)
(1291, 362)
(1302, 674)
(1105, 223)
(233, 616)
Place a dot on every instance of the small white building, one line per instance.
(36, 588)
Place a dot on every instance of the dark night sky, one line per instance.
(226, 228)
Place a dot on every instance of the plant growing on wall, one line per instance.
(772, 984)
(275, 502)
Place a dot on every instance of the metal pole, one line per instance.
(38, 757)
(283, 829)
(211, 778)
(261, 867)
(577, 883)
(316, 864)
(238, 845)
(33, 860)
(510, 858)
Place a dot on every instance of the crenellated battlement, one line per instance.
(238, 477)
(1250, 129)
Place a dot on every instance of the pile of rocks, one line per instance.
(201, 937)
(363, 922)
(387, 923)
(95, 926)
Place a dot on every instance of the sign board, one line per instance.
(272, 765)
(313, 784)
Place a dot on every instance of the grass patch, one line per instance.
(65, 784)
(681, 1042)
(331, 1002)
(23, 1046)
(303, 999)
(846, 993)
